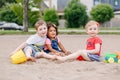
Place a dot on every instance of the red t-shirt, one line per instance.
(91, 43)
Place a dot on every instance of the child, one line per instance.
(53, 43)
(33, 46)
(93, 45)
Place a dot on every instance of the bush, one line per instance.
(33, 16)
(102, 13)
(50, 15)
(6, 14)
(75, 14)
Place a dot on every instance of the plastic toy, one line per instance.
(118, 54)
(112, 57)
(80, 58)
(18, 57)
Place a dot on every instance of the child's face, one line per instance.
(52, 32)
(42, 30)
(92, 30)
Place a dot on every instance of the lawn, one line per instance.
(106, 30)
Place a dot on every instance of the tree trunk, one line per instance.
(25, 15)
(39, 4)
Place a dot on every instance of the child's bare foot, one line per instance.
(31, 59)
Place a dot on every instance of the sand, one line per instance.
(45, 69)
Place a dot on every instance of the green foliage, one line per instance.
(102, 13)
(33, 16)
(50, 15)
(35, 3)
(6, 14)
(75, 14)
(19, 1)
(13, 11)
(3, 2)
(17, 8)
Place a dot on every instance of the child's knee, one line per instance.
(38, 54)
(28, 48)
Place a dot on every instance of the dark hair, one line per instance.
(39, 23)
(49, 24)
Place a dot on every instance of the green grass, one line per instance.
(115, 30)
(101, 28)
(110, 28)
(69, 31)
(13, 32)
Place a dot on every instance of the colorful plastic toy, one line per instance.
(112, 57)
(118, 54)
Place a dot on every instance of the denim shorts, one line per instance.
(94, 57)
(34, 51)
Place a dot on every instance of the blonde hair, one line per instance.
(39, 23)
(91, 23)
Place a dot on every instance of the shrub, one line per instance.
(102, 13)
(75, 14)
(50, 15)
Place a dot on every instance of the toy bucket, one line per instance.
(18, 57)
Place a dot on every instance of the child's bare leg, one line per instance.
(84, 54)
(45, 55)
(28, 53)
(71, 56)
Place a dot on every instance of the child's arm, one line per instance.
(51, 49)
(96, 50)
(19, 47)
(63, 49)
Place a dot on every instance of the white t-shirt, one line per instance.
(36, 39)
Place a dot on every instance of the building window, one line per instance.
(96, 2)
(116, 2)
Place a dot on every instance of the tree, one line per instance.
(8, 14)
(24, 7)
(75, 14)
(2, 2)
(50, 15)
(25, 15)
(102, 13)
(36, 4)
(18, 11)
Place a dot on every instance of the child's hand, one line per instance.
(11, 53)
(67, 53)
(59, 53)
